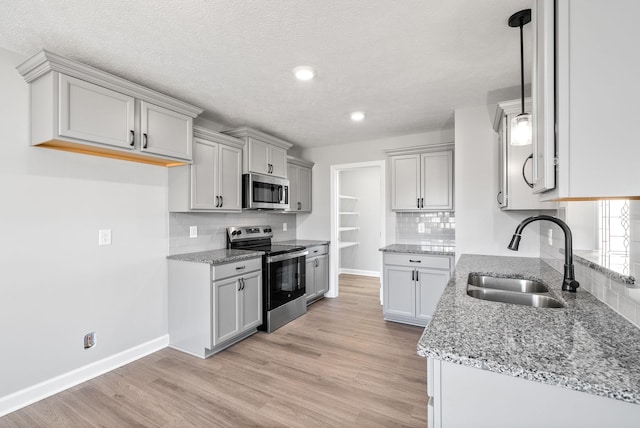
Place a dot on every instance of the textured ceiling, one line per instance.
(407, 63)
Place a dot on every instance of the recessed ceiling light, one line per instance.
(304, 73)
(357, 116)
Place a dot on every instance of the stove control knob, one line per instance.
(267, 230)
(238, 232)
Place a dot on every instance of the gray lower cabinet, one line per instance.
(213, 307)
(317, 272)
(413, 285)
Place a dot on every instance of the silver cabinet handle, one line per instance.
(413, 275)
(145, 140)
(415, 261)
(418, 203)
(221, 201)
(217, 201)
(421, 202)
(498, 197)
(132, 138)
(239, 284)
(299, 206)
(241, 267)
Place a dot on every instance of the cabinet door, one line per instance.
(304, 189)
(430, 285)
(292, 173)
(278, 161)
(96, 114)
(502, 196)
(310, 284)
(203, 174)
(226, 306)
(322, 274)
(405, 182)
(251, 301)
(165, 132)
(258, 156)
(229, 177)
(399, 291)
(437, 180)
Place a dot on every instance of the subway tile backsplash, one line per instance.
(425, 228)
(212, 228)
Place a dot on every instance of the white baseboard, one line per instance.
(360, 272)
(19, 399)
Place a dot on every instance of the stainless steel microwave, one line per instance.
(263, 192)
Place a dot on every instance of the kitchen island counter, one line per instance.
(584, 347)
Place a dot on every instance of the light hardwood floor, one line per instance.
(340, 365)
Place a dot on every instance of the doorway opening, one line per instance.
(357, 220)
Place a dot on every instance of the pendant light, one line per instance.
(521, 125)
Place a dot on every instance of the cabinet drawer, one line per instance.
(317, 250)
(236, 268)
(418, 260)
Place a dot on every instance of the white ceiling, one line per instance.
(407, 63)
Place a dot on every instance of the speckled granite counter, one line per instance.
(303, 242)
(585, 346)
(446, 248)
(216, 257)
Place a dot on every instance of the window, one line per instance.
(614, 235)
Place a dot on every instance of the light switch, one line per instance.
(284, 227)
(193, 231)
(104, 237)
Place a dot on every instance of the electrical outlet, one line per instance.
(90, 340)
(193, 231)
(550, 236)
(420, 227)
(104, 237)
(284, 227)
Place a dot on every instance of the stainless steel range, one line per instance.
(283, 274)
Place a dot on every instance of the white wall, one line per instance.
(362, 183)
(317, 224)
(481, 227)
(57, 284)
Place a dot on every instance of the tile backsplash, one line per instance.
(212, 228)
(622, 298)
(425, 228)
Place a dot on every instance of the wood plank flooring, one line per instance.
(340, 365)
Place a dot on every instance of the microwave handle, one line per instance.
(280, 193)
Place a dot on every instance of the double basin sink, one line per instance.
(517, 291)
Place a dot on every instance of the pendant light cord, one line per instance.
(522, 64)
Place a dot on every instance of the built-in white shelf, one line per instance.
(346, 229)
(345, 244)
(348, 197)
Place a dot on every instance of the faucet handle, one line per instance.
(570, 285)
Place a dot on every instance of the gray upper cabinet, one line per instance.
(515, 174)
(299, 173)
(75, 107)
(263, 153)
(213, 182)
(422, 178)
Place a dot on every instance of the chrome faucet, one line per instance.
(569, 282)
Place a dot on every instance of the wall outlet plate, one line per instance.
(104, 237)
(193, 231)
(90, 340)
(284, 227)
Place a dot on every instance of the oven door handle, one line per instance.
(287, 256)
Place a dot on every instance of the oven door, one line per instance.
(264, 192)
(285, 278)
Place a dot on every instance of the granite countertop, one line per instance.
(217, 257)
(303, 242)
(585, 347)
(441, 248)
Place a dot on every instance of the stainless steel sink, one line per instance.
(514, 297)
(507, 284)
(516, 291)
